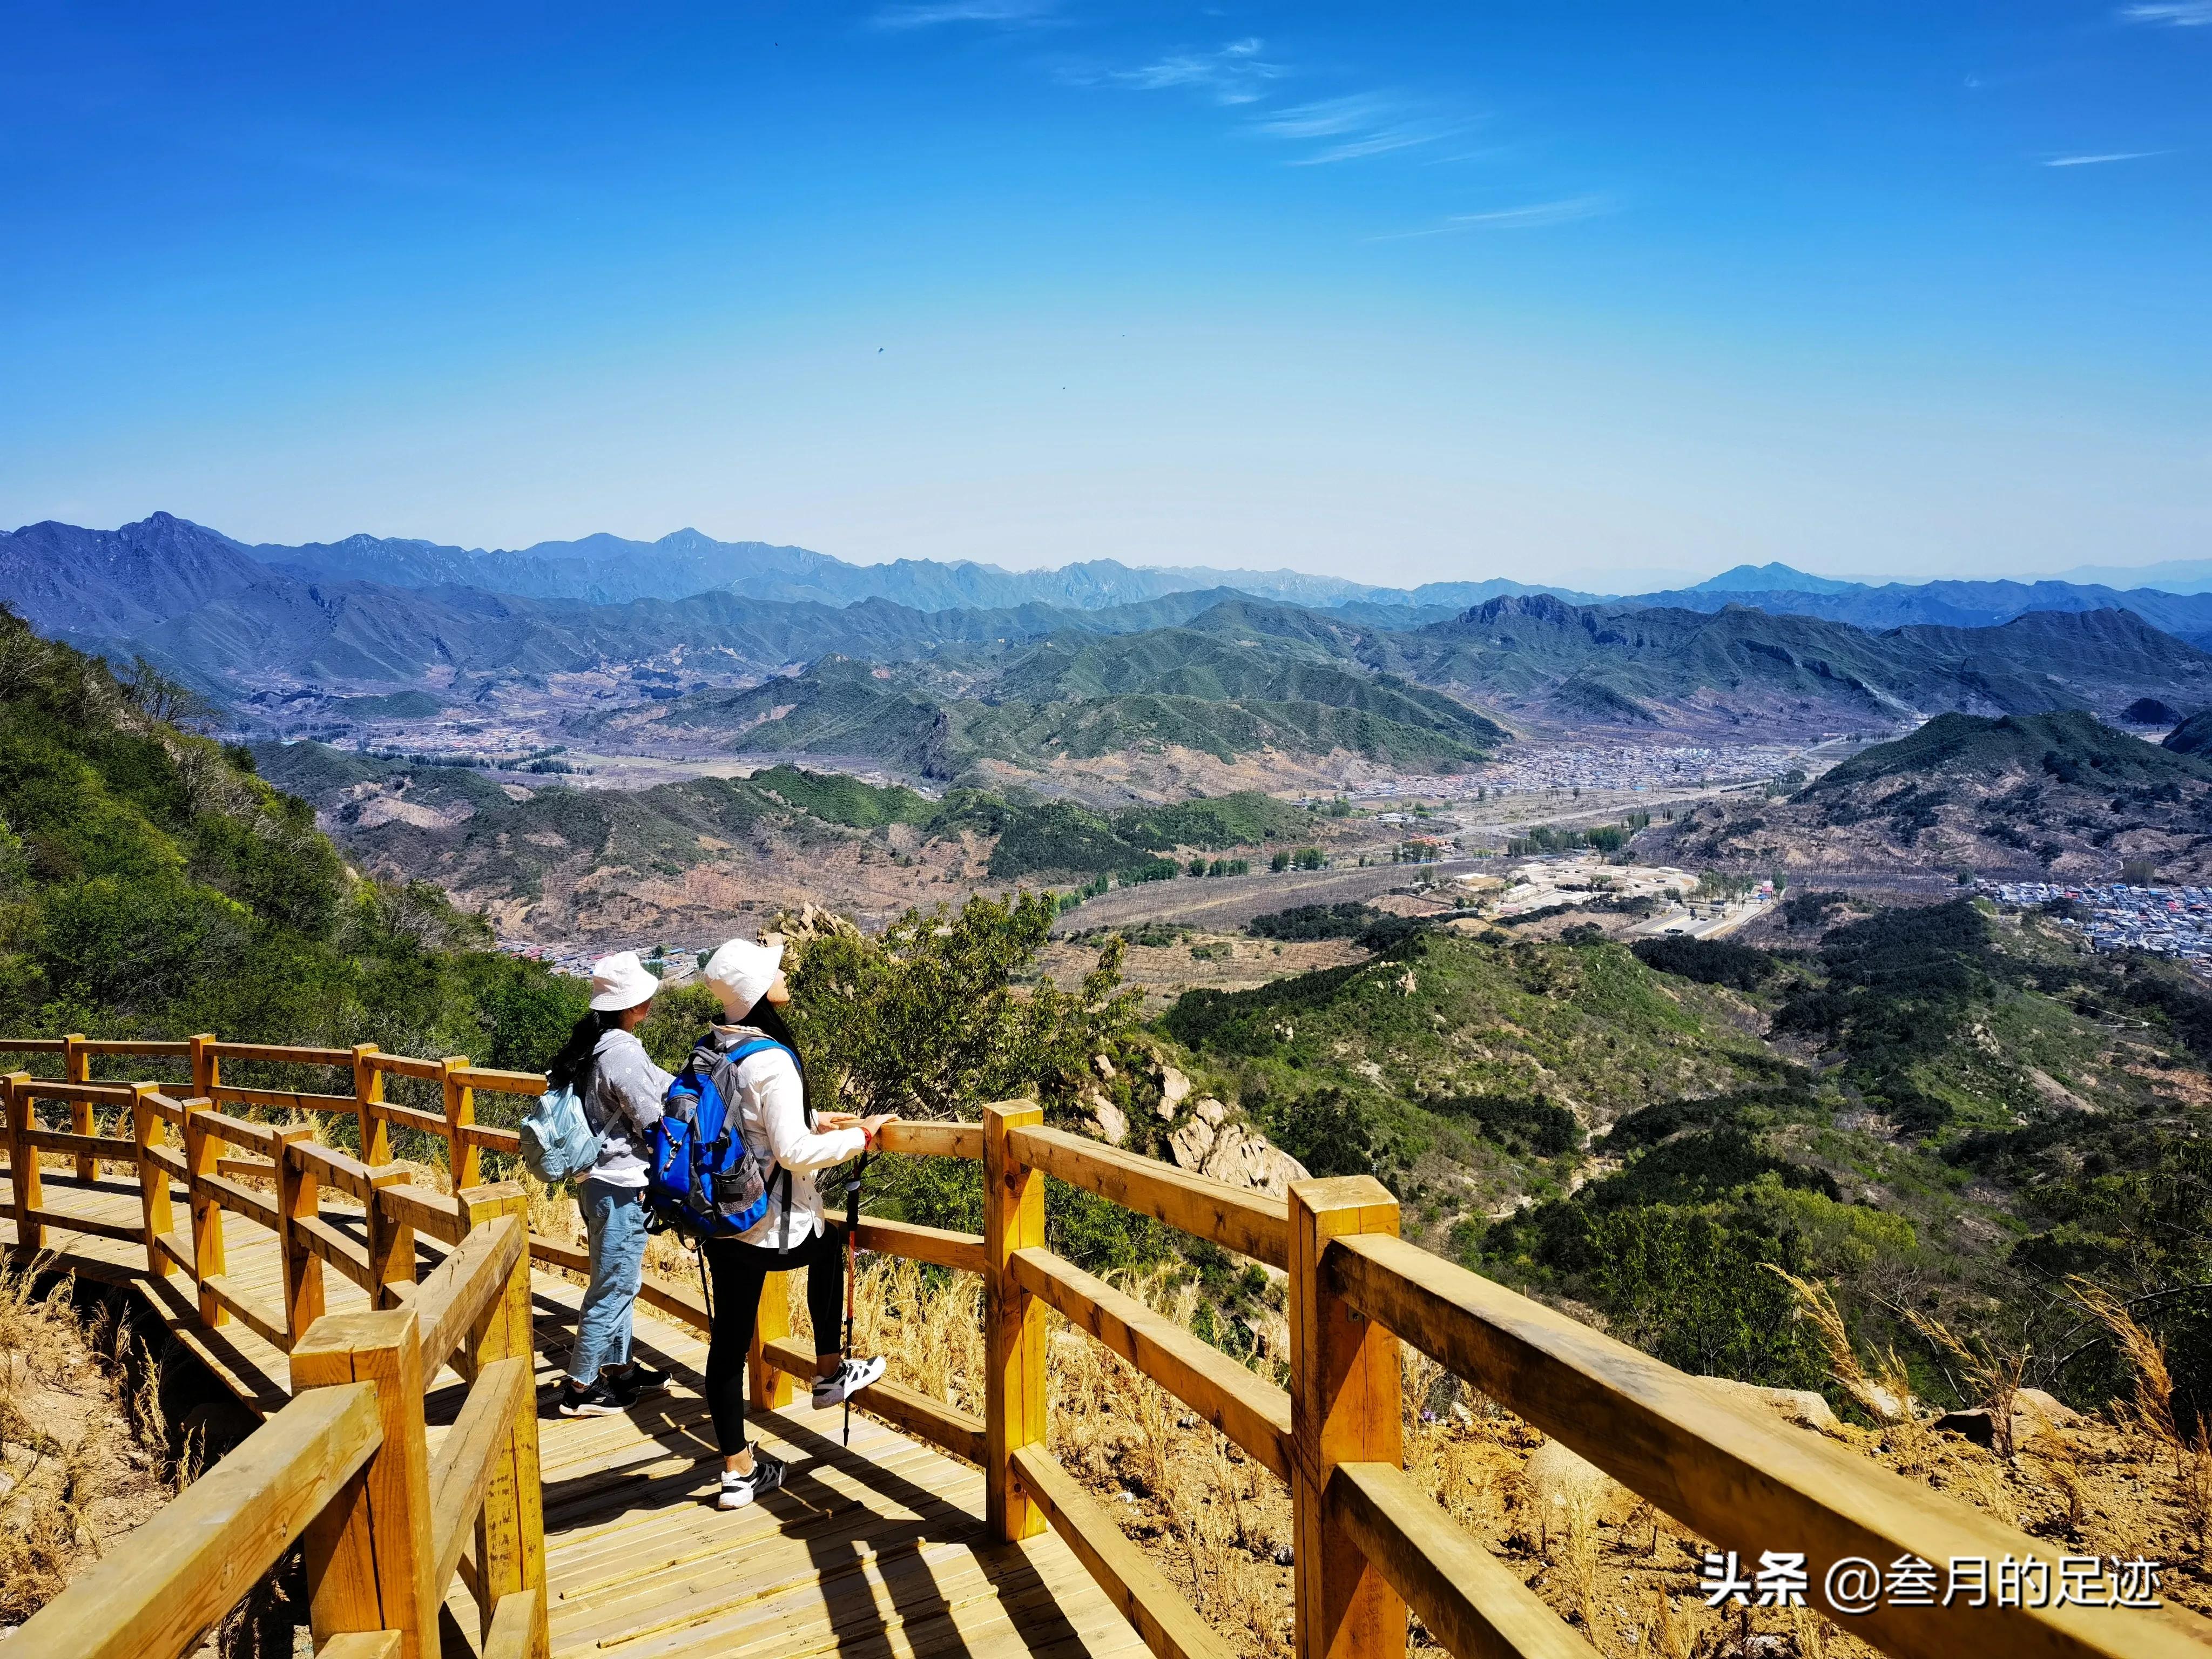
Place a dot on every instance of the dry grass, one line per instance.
(82, 1454)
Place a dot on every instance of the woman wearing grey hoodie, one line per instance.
(621, 1090)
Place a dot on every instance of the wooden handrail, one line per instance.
(1470, 1601)
(462, 1473)
(454, 1296)
(1254, 1414)
(1737, 1478)
(1131, 1581)
(1368, 1541)
(1235, 1217)
(193, 1560)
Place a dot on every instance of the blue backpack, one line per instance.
(557, 1143)
(704, 1181)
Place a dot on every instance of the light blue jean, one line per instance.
(614, 1219)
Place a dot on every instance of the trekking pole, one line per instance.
(852, 1232)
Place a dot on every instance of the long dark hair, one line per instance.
(572, 1067)
(768, 1019)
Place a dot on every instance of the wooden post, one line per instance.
(368, 1095)
(207, 1064)
(146, 1128)
(369, 1553)
(464, 1160)
(391, 1246)
(298, 1197)
(768, 1387)
(24, 1167)
(201, 1152)
(511, 1528)
(76, 1067)
(1013, 1323)
(1344, 1409)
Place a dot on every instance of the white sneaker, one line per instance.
(847, 1380)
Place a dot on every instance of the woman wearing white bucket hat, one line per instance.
(778, 1120)
(621, 1088)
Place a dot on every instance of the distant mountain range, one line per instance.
(979, 666)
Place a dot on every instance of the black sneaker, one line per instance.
(847, 1380)
(633, 1383)
(739, 1490)
(587, 1400)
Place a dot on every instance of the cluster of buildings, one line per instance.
(669, 962)
(1628, 767)
(2173, 921)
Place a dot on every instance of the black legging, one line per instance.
(738, 1269)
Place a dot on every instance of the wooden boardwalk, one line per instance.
(878, 1550)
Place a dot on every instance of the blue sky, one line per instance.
(1608, 293)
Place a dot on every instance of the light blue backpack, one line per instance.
(557, 1143)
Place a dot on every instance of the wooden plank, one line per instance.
(282, 1100)
(518, 1626)
(169, 1161)
(105, 1148)
(461, 1471)
(280, 1054)
(368, 1553)
(423, 1071)
(77, 1066)
(1253, 1412)
(334, 1169)
(194, 1559)
(361, 1644)
(957, 1431)
(298, 1200)
(133, 1047)
(333, 1248)
(239, 1132)
(1738, 1479)
(490, 1139)
(499, 1082)
(262, 1319)
(423, 1209)
(154, 1214)
(463, 1159)
(27, 1186)
(30, 1045)
(451, 1301)
(246, 1168)
(1345, 1408)
(926, 1139)
(177, 1246)
(369, 1096)
(510, 1527)
(1472, 1603)
(166, 1109)
(1235, 1217)
(963, 1251)
(99, 1094)
(1015, 1389)
(1166, 1622)
(408, 1117)
(238, 1201)
(45, 1215)
(201, 1150)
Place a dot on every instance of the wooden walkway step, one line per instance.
(874, 1551)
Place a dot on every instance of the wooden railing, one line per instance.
(344, 1466)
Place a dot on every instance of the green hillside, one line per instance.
(2070, 746)
(153, 885)
(1084, 697)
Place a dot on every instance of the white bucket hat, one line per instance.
(740, 972)
(619, 981)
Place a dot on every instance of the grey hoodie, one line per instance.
(622, 1103)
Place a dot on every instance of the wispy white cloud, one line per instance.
(928, 14)
(1534, 216)
(2174, 14)
(1357, 125)
(1235, 73)
(2099, 161)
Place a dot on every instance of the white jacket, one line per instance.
(772, 1109)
